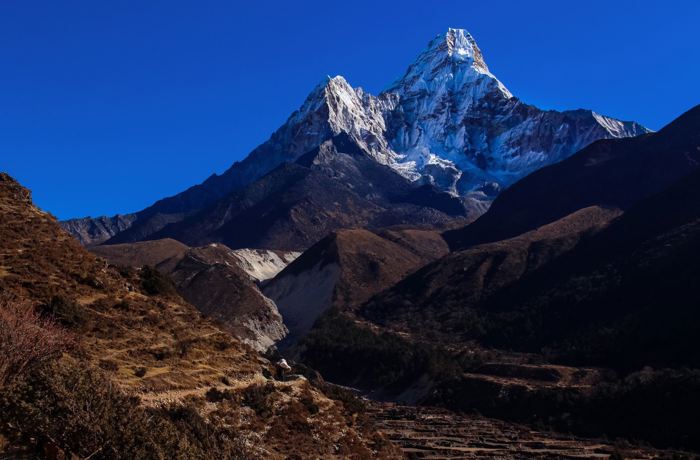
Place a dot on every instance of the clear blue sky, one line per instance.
(107, 106)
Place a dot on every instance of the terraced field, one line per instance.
(430, 433)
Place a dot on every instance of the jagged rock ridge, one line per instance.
(96, 230)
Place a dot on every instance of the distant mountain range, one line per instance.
(441, 142)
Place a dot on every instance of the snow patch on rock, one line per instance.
(262, 264)
(265, 329)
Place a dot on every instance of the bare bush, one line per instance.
(27, 339)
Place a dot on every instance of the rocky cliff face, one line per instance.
(90, 231)
(623, 171)
(448, 122)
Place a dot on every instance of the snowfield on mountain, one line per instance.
(448, 121)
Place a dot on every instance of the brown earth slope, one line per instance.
(162, 254)
(435, 298)
(150, 378)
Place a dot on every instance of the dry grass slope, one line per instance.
(149, 359)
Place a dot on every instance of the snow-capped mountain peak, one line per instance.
(454, 124)
(448, 122)
(460, 46)
(451, 61)
(335, 107)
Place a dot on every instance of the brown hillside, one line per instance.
(184, 388)
(211, 279)
(436, 297)
(166, 253)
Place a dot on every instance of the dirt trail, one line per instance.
(164, 398)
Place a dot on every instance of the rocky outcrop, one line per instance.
(263, 264)
(209, 278)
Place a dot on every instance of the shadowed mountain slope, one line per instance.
(436, 297)
(625, 298)
(612, 173)
(621, 296)
(335, 186)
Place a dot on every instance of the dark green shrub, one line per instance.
(257, 397)
(357, 356)
(154, 282)
(64, 311)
